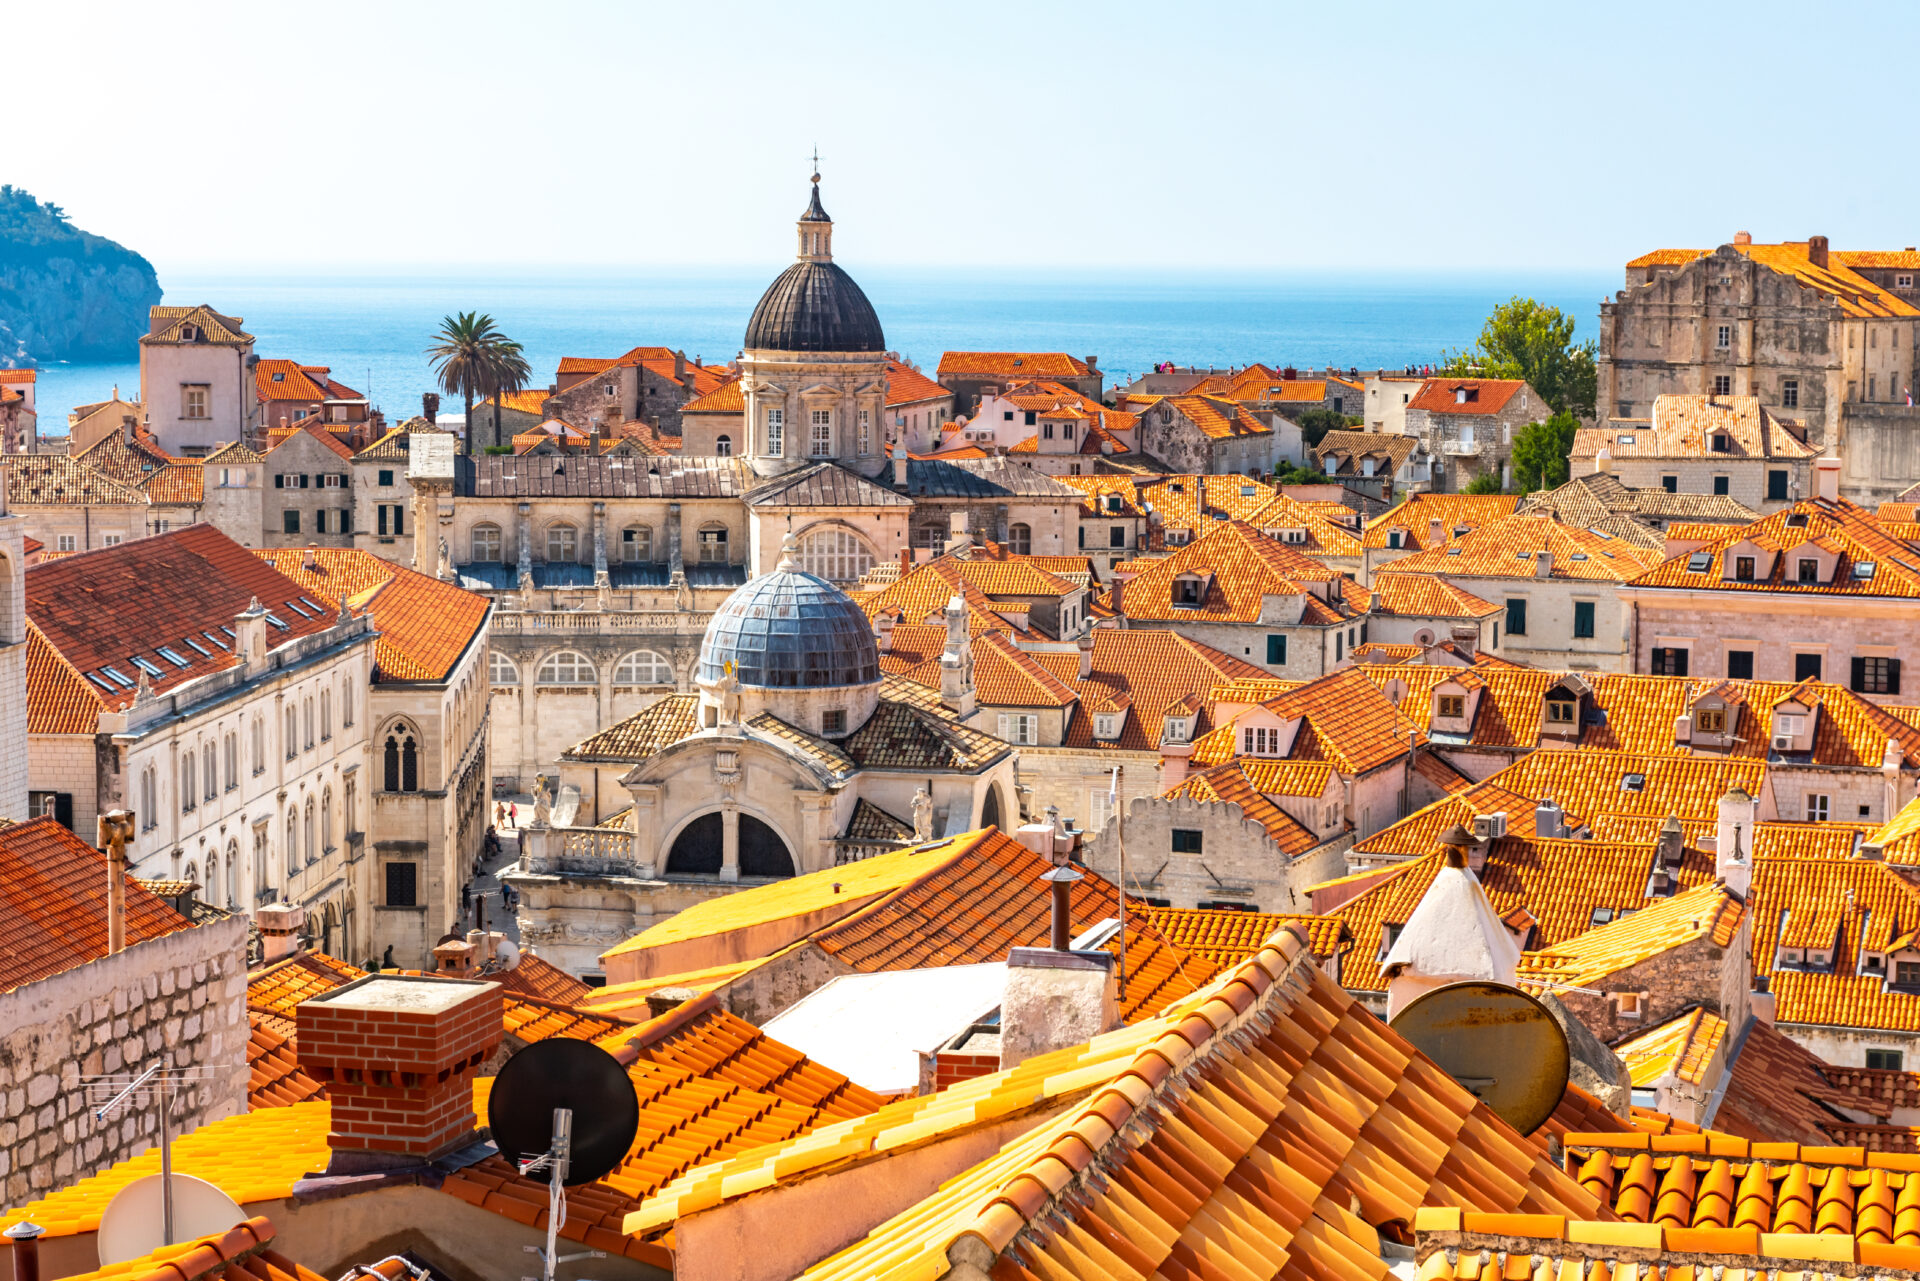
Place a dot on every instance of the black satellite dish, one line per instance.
(564, 1074)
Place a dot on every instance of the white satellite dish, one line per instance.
(131, 1225)
(507, 954)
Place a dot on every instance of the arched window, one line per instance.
(293, 731)
(836, 555)
(346, 702)
(723, 446)
(293, 841)
(188, 792)
(191, 872)
(262, 874)
(233, 761)
(400, 759)
(636, 544)
(930, 536)
(259, 744)
(563, 543)
(210, 772)
(643, 667)
(306, 718)
(1020, 539)
(312, 834)
(326, 715)
(149, 799)
(485, 544)
(501, 671)
(568, 668)
(713, 545)
(346, 810)
(233, 874)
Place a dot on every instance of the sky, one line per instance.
(295, 136)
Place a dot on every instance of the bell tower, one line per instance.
(816, 228)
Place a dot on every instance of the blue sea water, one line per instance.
(372, 328)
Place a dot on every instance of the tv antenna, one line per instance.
(155, 1087)
(535, 1100)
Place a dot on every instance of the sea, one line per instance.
(371, 328)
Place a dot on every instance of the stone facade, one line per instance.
(182, 996)
(1462, 446)
(1776, 628)
(1168, 434)
(13, 664)
(308, 495)
(1718, 979)
(1240, 864)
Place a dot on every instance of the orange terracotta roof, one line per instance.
(1011, 364)
(1685, 426)
(59, 699)
(18, 375)
(278, 988)
(1847, 908)
(1238, 566)
(1704, 912)
(1779, 1089)
(425, 625)
(1428, 596)
(1229, 784)
(1508, 549)
(1414, 518)
(280, 436)
(530, 400)
(42, 479)
(1231, 938)
(1219, 419)
(1483, 395)
(1345, 720)
(1684, 1048)
(630, 999)
(1147, 671)
(286, 380)
(53, 903)
(907, 385)
(274, 1076)
(1857, 295)
(1864, 559)
(588, 364)
(238, 1253)
(728, 398)
(528, 1019)
(543, 980)
(177, 482)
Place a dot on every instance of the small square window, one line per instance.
(1186, 840)
(833, 722)
(1723, 384)
(1887, 1060)
(1722, 485)
(1740, 664)
(1452, 706)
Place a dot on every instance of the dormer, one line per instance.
(1454, 703)
(1189, 588)
(1296, 534)
(1283, 609)
(1466, 395)
(1903, 964)
(1177, 725)
(1812, 564)
(1713, 719)
(1747, 561)
(1266, 734)
(1563, 710)
(1107, 725)
(1792, 726)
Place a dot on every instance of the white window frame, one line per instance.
(1819, 807)
(1022, 729)
(776, 432)
(820, 434)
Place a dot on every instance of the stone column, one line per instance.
(730, 844)
(676, 564)
(529, 732)
(601, 579)
(523, 535)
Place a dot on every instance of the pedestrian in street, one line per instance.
(466, 899)
(513, 813)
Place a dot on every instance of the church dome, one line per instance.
(790, 630)
(814, 306)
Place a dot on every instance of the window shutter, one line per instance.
(1004, 727)
(1859, 675)
(279, 481)
(382, 521)
(1893, 676)
(399, 520)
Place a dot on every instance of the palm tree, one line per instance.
(475, 360)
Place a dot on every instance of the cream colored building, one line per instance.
(1693, 444)
(197, 380)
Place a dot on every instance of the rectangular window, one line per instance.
(1452, 707)
(1517, 617)
(1562, 711)
(193, 401)
(402, 884)
(865, 436)
(1186, 840)
(1671, 661)
(1722, 384)
(776, 432)
(1720, 485)
(1906, 973)
(713, 547)
(820, 439)
(66, 543)
(1806, 667)
(290, 521)
(1030, 416)
(1817, 808)
(1710, 720)
(1876, 676)
(1583, 619)
(833, 722)
(1743, 569)
(399, 521)
(1777, 486)
(1724, 338)
(1117, 536)
(1263, 740)
(109, 540)
(386, 476)
(380, 520)
(1790, 393)
(1809, 570)
(1339, 640)
(1670, 483)
(1276, 651)
(1020, 730)
(1888, 1060)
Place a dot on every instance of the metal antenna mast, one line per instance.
(156, 1085)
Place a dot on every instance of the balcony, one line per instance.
(1459, 448)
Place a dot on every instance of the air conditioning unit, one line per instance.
(1782, 742)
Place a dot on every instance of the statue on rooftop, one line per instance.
(542, 802)
(729, 695)
(922, 816)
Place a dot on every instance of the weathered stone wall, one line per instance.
(1746, 477)
(1692, 974)
(1549, 640)
(1879, 451)
(182, 996)
(1239, 862)
(1774, 627)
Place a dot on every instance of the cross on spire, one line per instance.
(816, 165)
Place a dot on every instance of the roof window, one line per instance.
(1698, 562)
(1633, 782)
(216, 640)
(295, 605)
(1248, 491)
(279, 377)
(1578, 556)
(275, 620)
(1623, 440)
(198, 648)
(317, 610)
(146, 665)
(171, 655)
(1601, 915)
(1523, 555)
(1453, 551)
(1796, 520)
(1863, 569)
(101, 683)
(119, 677)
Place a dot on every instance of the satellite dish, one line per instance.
(564, 1074)
(1503, 1045)
(132, 1223)
(507, 954)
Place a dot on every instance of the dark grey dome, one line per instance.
(814, 306)
(790, 630)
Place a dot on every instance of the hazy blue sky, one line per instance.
(1459, 136)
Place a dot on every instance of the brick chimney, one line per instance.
(397, 1054)
(1743, 237)
(1817, 250)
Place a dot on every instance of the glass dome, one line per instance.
(790, 630)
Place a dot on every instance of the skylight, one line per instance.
(101, 683)
(198, 648)
(146, 665)
(1698, 562)
(216, 640)
(1633, 782)
(295, 605)
(119, 677)
(171, 655)
(1863, 569)
(317, 610)
(275, 620)
(1453, 551)
(1578, 556)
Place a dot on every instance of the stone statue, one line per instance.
(729, 696)
(446, 559)
(922, 816)
(542, 802)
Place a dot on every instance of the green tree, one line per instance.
(1487, 482)
(474, 360)
(1314, 424)
(1526, 339)
(1541, 453)
(1287, 473)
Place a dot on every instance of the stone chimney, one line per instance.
(250, 633)
(1543, 564)
(279, 925)
(957, 535)
(1743, 237)
(453, 958)
(900, 461)
(1890, 780)
(1466, 637)
(1436, 532)
(1055, 999)
(1453, 936)
(883, 630)
(1602, 461)
(1733, 841)
(397, 1054)
(956, 661)
(1826, 478)
(1817, 251)
(1085, 646)
(1671, 843)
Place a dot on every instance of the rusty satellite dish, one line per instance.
(1503, 1045)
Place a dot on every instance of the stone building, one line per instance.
(13, 663)
(1727, 446)
(382, 499)
(648, 385)
(1209, 435)
(74, 1005)
(197, 381)
(1466, 426)
(291, 394)
(969, 375)
(310, 476)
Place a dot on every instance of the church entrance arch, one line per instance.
(700, 848)
(990, 810)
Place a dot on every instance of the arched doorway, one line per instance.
(990, 811)
(699, 850)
